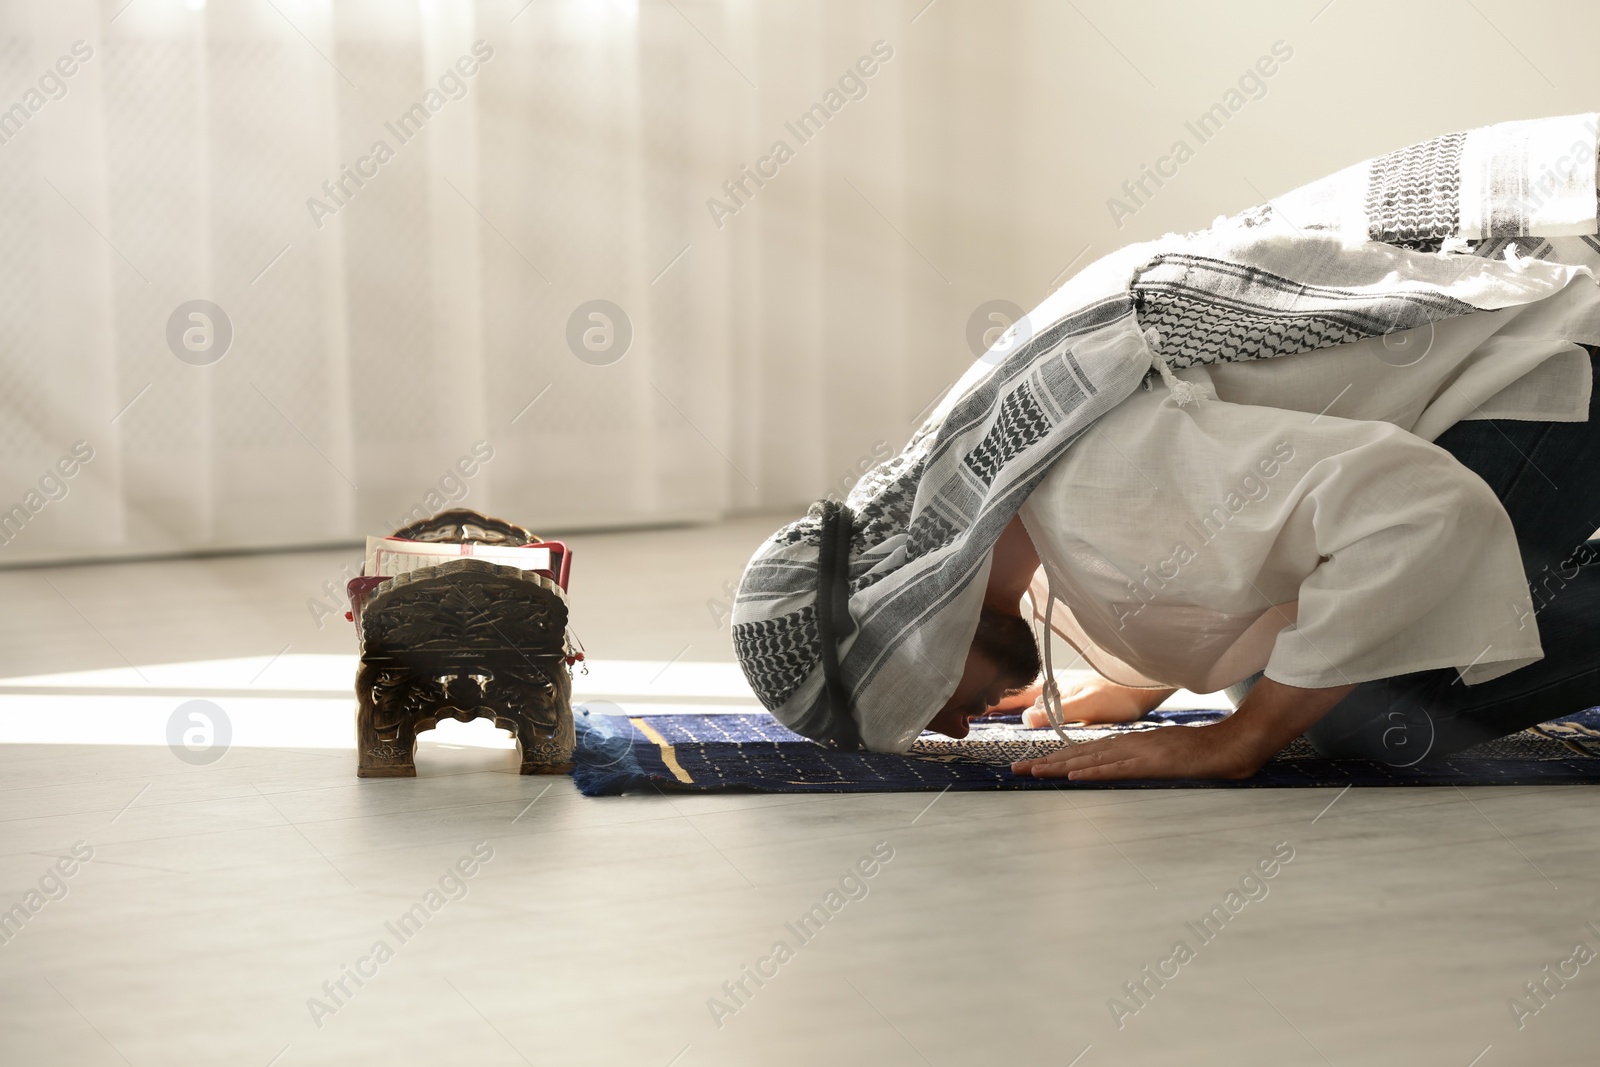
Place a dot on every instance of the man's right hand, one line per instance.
(1094, 700)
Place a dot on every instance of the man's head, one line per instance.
(1003, 659)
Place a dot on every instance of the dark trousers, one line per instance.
(1547, 474)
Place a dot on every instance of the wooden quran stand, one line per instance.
(467, 639)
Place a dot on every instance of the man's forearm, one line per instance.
(1273, 714)
(1152, 699)
(1270, 717)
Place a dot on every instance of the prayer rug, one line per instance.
(754, 753)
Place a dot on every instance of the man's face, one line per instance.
(980, 689)
(1003, 659)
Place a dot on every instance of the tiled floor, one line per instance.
(225, 904)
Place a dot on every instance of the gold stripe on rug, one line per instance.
(668, 756)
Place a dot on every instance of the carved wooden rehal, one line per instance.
(467, 639)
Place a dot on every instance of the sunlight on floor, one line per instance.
(305, 701)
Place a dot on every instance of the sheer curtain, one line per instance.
(405, 231)
(398, 313)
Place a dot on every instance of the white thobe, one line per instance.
(1300, 521)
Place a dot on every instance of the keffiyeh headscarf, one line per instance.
(852, 624)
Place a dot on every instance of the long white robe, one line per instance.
(1301, 522)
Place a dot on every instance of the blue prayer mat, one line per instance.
(753, 753)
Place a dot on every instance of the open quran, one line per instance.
(388, 557)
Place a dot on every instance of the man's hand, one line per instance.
(1094, 700)
(1168, 752)
(1270, 717)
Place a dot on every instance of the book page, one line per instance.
(390, 556)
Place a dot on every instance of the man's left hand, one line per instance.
(1169, 752)
(1272, 715)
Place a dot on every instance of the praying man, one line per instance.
(1335, 456)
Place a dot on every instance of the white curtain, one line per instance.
(377, 342)
(380, 336)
